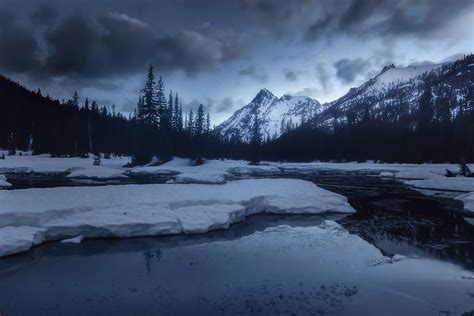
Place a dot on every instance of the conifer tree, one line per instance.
(139, 110)
(147, 112)
(169, 110)
(425, 109)
(190, 127)
(161, 101)
(75, 99)
(176, 113)
(200, 120)
(180, 118)
(94, 107)
(208, 123)
(185, 126)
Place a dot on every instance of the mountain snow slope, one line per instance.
(396, 91)
(276, 115)
(392, 93)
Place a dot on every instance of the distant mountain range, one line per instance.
(278, 115)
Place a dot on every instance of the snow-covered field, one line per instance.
(44, 163)
(198, 198)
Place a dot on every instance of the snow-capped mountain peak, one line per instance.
(387, 67)
(276, 115)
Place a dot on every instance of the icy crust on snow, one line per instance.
(206, 178)
(19, 239)
(460, 184)
(97, 172)
(150, 210)
(468, 200)
(3, 182)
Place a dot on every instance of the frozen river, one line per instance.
(402, 253)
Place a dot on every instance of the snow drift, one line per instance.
(29, 217)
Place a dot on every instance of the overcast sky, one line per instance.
(222, 52)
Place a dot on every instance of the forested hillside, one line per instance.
(429, 117)
(158, 127)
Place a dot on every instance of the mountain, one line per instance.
(410, 114)
(396, 91)
(276, 115)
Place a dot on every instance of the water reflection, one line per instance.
(259, 266)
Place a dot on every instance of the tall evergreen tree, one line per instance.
(75, 99)
(176, 113)
(94, 107)
(190, 126)
(170, 110)
(148, 112)
(139, 110)
(200, 120)
(208, 123)
(180, 118)
(161, 101)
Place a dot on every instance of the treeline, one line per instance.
(435, 126)
(429, 120)
(158, 126)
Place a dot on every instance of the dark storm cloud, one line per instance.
(44, 14)
(254, 73)
(276, 11)
(194, 51)
(109, 45)
(387, 18)
(348, 69)
(278, 15)
(17, 45)
(225, 105)
(290, 75)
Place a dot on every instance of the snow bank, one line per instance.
(97, 172)
(45, 163)
(468, 200)
(3, 182)
(461, 184)
(150, 210)
(469, 220)
(19, 239)
(387, 174)
(254, 170)
(204, 178)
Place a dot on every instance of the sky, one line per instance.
(222, 52)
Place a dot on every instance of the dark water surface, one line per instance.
(402, 253)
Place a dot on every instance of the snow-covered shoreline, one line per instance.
(197, 199)
(31, 216)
